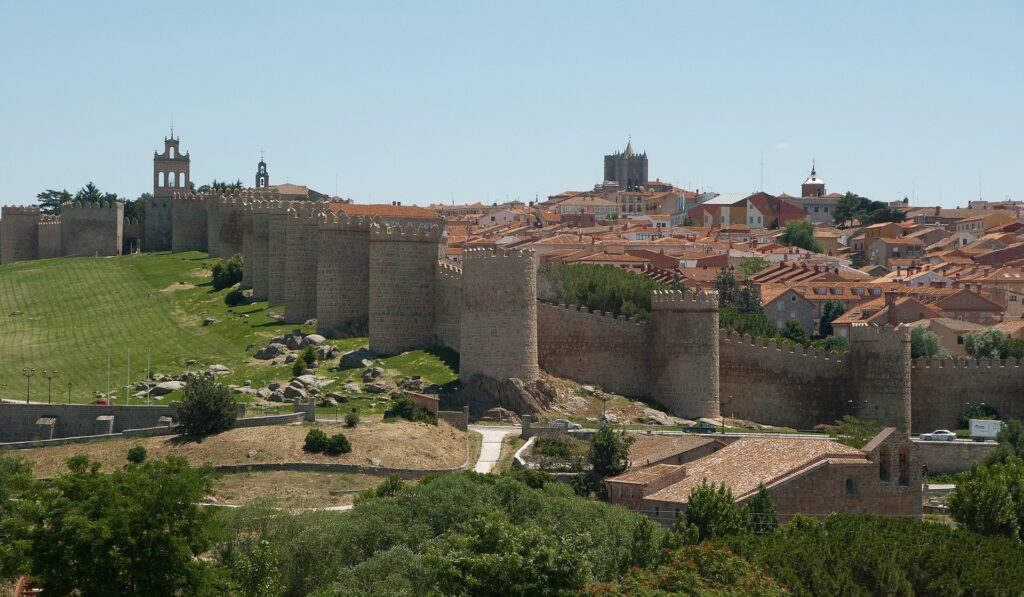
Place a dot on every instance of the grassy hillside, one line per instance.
(69, 314)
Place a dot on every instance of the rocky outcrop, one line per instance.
(484, 393)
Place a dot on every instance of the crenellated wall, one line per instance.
(401, 297)
(683, 363)
(343, 275)
(943, 388)
(594, 348)
(277, 247)
(246, 219)
(132, 235)
(189, 222)
(260, 255)
(91, 229)
(761, 380)
(49, 237)
(448, 305)
(301, 256)
(499, 327)
(214, 207)
(880, 367)
(19, 234)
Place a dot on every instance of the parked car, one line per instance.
(939, 435)
(565, 424)
(701, 427)
(983, 429)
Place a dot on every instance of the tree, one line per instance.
(854, 432)
(762, 517)
(800, 233)
(748, 299)
(16, 482)
(90, 193)
(316, 441)
(51, 200)
(135, 531)
(352, 418)
(221, 187)
(846, 209)
(136, 210)
(728, 288)
(227, 272)
(206, 407)
(1010, 443)
(831, 344)
(748, 266)
(338, 444)
(793, 331)
(977, 411)
(985, 344)
(925, 344)
(609, 451)
(854, 207)
(830, 311)
(136, 454)
(990, 499)
(603, 287)
(1013, 349)
(254, 569)
(712, 510)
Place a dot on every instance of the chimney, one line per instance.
(890, 303)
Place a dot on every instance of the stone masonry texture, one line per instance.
(401, 309)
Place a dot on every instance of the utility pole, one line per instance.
(108, 352)
(50, 376)
(149, 374)
(69, 392)
(128, 381)
(28, 373)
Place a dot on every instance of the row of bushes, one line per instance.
(317, 441)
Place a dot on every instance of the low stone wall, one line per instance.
(951, 457)
(18, 421)
(458, 419)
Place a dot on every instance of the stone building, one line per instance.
(91, 229)
(626, 168)
(170, 176)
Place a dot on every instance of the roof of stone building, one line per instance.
(652, 448)
(384, 210)
(643, 476)
(751, 461)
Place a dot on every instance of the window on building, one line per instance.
(815, 209)
(959, 339)
(904, 467)
(779, 306)
(677, 512)
(826, 210)
(851, 486)
(883, 465)
(170, 152)
(657, 511)
(620, 491)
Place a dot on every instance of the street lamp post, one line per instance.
(69, 392)
(50, 376)
(28, 373)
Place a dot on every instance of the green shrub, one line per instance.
(316, 441)
(297, 367)
(556, 447)
(403, 406)
(425, 416)
(206, 407)
(977, 411)
(603, 287)
(137, 454)
(235, 297)
(227, 272)
(338, 444)
(352, 418)
(308, 356)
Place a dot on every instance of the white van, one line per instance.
(983, 429)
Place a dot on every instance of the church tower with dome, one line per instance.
(813, 186)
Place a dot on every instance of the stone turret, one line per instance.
(91, 229)
(499, 315)
(260, 254)
(246, 219)
(189, 222)
(277, 247)
(402, 263)
(19, 234)
(683, 360)
(49, 237)
(231, 232)
(343, 275)
(301, 256)
(881, 368)
(214, 206)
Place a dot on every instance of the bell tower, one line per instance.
(170, 169)
(262, 177)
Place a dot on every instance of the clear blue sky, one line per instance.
(434, 101)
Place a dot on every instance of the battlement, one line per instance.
(19, 210)
(307, 210)
(341, 221)
(864, 333)
(408, 233)
(72, 205)
(48, 220)
(965, 363)
(278, 206)
(748, 341)
(449, 271)
(526, 255)
(198, 197)
(684, 300)
(605, 316)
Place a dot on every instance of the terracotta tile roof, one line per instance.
(750, 461)
(652, 448)
(384, 210)
(643, 476)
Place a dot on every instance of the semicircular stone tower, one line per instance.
(343, 275)
(683, 344)
(498, 337)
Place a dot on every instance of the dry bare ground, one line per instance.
(397, 445)
(293, 489)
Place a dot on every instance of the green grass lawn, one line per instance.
(70, 314)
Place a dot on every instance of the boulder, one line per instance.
(339, 398)
(501, 415)
(276, 397)
(164, 388)
(656, 417)
(271, 350)
(306, 380)
(376, 387)
(326, 352)
(313, 340)
(209, 321)
(264, 393)
(352, 387)
(328, 402)
(274, 386)
(159, 377)
(372, 373)
(292, 392)
(218, 369)
(307, 372)
(294, 342)
(191, 362)
(357, 358)
(291, 358)
(483, 393)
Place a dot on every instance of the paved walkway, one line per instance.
(490, 450)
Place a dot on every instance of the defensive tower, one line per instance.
(19, 234)
(277, 247)
(189, 222)
(499, 315)
(260, 254)
(343, 275)
(881, 368)
(683, 364)
(302, 253)
(88, 229)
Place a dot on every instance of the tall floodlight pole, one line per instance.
(149, 376)
(108, 374)
(50, 376)
(28, 373)
(69, 392)
(128, 382)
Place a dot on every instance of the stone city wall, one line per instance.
(214, 207)
(277, 251)
(944, 388)
(49, 237)
(302, 247)
(91, 229)
(763, 381)
(343, 275)
(260, 256)
(189, 222)
(951, 457)
(230, 234)
(132, 235)
(880, 367)
(683, 361)
(158, 225)
(401, 298)
(499, 315)
(448, 305)
(19, 234)
(18, 421)
(246, 217)
(604, 350)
